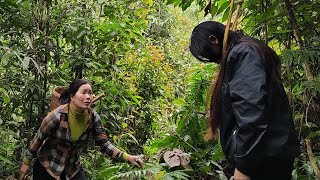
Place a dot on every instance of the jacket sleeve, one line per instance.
(103, 141)
(47, 127)
(248, 92)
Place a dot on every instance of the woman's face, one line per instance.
(83, 97)
(217, 54)
(216, 49)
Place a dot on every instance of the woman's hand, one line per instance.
(136, 160)
(239, 175)
(24, 171)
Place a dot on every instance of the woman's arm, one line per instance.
(248, 91)
(47, 127)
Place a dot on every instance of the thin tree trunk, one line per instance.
(294, 25)
(46, 60)
(265, 25)
(287, 45)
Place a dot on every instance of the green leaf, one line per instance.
(5, 95)
(113, 90)
(214, 8)
(147, 2)
(66, 65)
(171, 1)
(159, 175)
(107, 171)
(223, 7)
(4, 159)
(134, 138)
(314, 134)
(167, 141)
(185, 4)
(36, 65)
(225, 15)
(283, 31)
(27, 37)
(25, 62)
(135, 99)
(181, 125)
(179, 102)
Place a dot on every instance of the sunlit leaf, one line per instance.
(159, 175)
(5, 95)
(225, 15)
(28, 39)
(25, 62)
(181, 125)
(223, 7)
(147, 2)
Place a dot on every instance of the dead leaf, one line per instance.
(171, 158)
(176, 157)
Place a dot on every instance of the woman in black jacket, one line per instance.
(248, 104)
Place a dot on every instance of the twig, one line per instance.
(62, 15)
(97, 98)
(312, 159)
(307, 109)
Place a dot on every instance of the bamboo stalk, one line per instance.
(226, 31)
(234, 25)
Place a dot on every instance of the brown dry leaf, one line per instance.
(176, 157)
(171, 158)
(178, 151)
(184, 159)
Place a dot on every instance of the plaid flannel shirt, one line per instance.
(54, 149)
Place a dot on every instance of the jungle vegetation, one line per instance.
(136, 53)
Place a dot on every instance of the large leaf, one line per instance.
(225, 14)
(223, 7)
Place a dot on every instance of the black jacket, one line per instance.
(255, 117)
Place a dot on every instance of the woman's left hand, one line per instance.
(239, 175)
(136, 160)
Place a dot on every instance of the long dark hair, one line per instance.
(201, 48)
(72, 90)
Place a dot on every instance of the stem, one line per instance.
(312, 159)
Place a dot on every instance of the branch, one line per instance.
(62, 15)
(312, 159)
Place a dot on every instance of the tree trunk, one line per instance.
(294, 25)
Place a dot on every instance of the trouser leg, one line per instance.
(40, 173)
(274, 169)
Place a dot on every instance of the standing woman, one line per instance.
(64, 133)
(248, 104)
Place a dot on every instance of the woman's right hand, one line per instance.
(24, 171)
(136, 160)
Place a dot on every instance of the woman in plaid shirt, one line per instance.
(63, 134)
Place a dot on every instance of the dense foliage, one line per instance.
(136, 53)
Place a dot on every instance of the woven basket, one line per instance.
(56, 93)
